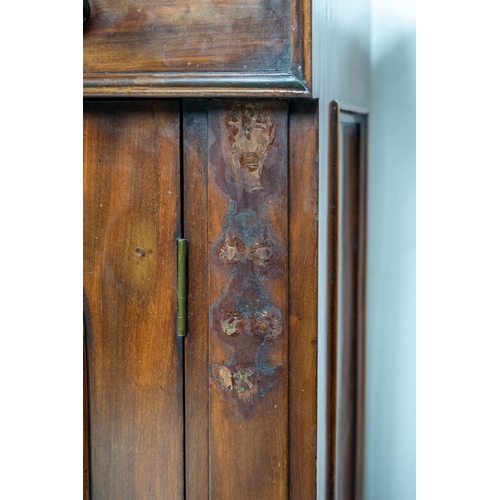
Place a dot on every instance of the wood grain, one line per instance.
(131, 223)
(195, 171)
(164, 46)
(251, 399)
(248, 343)
(86, 435)
(195, 85)
(303, 297)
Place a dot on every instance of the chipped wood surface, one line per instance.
(257, 444)
(247, 206)
(250, 215)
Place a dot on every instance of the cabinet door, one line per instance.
(134, 359)
(240, 394)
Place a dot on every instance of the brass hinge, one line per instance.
(182, 277)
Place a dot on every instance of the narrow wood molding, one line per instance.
(194, 85)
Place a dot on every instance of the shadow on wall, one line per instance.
(390, 422)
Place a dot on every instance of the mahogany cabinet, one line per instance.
(234, 371)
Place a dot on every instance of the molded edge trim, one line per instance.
(194, 85)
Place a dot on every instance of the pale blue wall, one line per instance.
(390, 419)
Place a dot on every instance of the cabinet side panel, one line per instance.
(303, 278)
(195, 172)
(347, 353)
(131, 222)
(347, 320)
(248, 292)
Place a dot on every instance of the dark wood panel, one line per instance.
(131, 222)
(218, 47)
(248, 266)
(253, 400)
(348, 313)
(347, 301)
(303, 278)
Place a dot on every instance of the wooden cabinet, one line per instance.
(233, 406)
(230, 411)
(158, 47)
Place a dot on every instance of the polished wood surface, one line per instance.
(347, 302)
(251, 399)
(131, 222)
(303, 297)
(216, 47)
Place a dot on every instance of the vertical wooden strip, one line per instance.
(301, 40)
(87, 334)
(347, 353)
(131, 223)
(347, 320)
(86, 437)
(248, 293)
(332, 298)
(195, 171)
(303, 277)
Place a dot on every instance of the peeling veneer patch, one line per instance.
(251, 134)
(266, 324)
(245, 239)
(232, 323)
(246, 319)
(235, 250)
(243, 381)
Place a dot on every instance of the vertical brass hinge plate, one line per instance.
(182, 277)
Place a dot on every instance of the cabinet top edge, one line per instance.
(195, 85)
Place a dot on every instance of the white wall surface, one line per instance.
(390, 419)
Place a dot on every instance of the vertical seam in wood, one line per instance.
(87, 327)
(289, 168)
(333, 267)
(181, 340)
(207, 274)
(207, 109)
